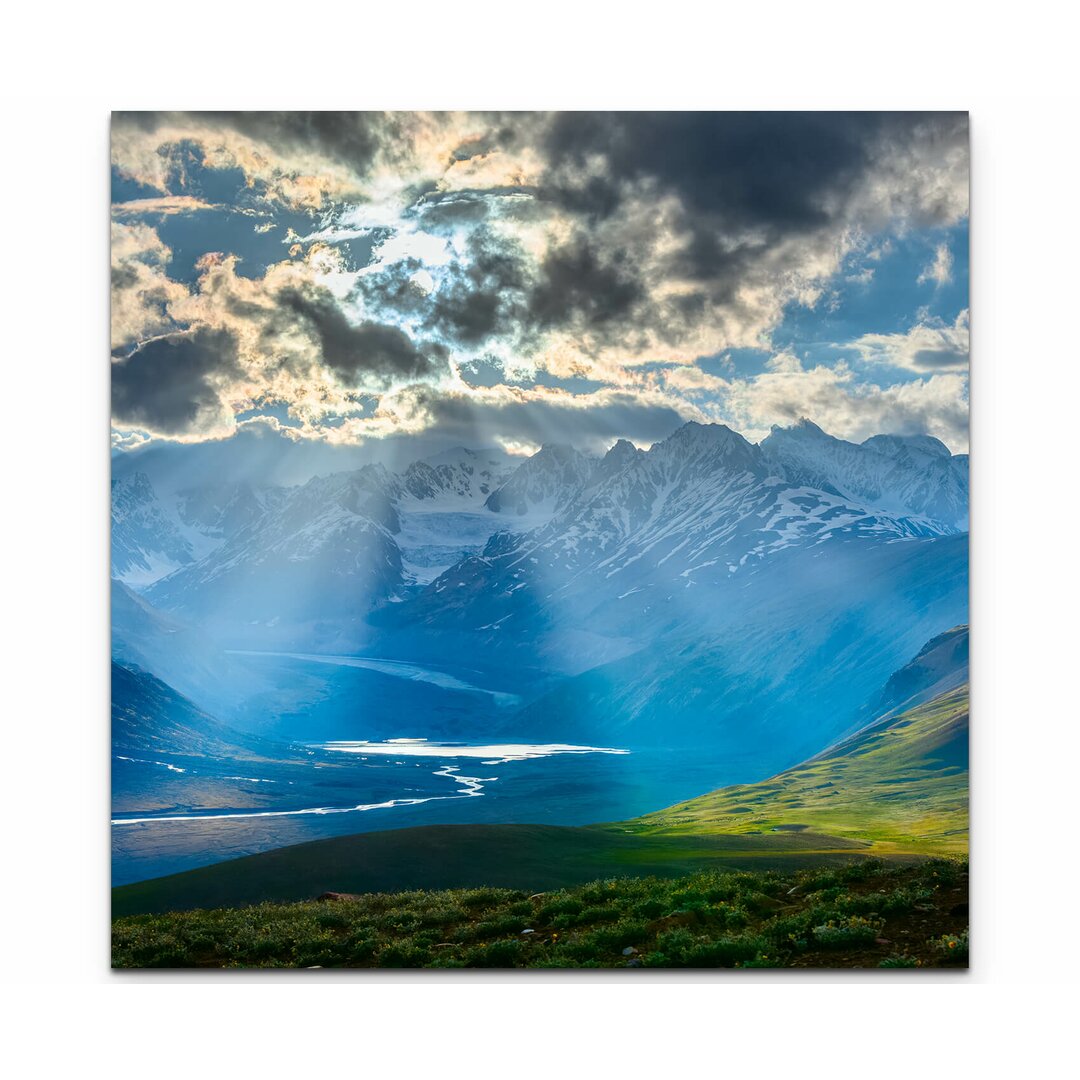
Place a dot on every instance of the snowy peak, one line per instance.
(689, 523)
(543, 482)
(900, 474)
(146, 540)
(220, 510)
(622, 453)
(462, 476)
(697, 448)
(697, 511)
(802, 428)
(908, 446)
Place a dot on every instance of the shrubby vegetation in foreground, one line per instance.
(867, 914)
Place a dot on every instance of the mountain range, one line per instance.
(752, 595)
(378, 536)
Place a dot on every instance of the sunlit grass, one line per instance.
(901, 785)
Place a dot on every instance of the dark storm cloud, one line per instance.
(577, 282)
(393, 287)
(352, 139)
(478, 298)
(362, 352)
(571, 246)
(752, 194)
(590, 423)
(481, 297)
(167, 385)
(783, 171)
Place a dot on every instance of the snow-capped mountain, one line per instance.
(543, 483)
(154, 536)
(148, 539)
(307, 561)
(579, 552)
(324, 553)
(696, 510)
(905, 474)
(441, 508)
(461, 477)
(218, 511)
(692, 594)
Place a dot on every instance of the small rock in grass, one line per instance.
(528, 931)
(635, 962)
(629, 951)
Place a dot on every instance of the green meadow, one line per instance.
(870, 913)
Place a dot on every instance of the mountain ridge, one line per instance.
(470, 540)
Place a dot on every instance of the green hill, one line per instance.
(900, 784)
(526, 857)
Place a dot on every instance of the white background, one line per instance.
(64, 70)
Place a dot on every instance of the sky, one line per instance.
(360, 281)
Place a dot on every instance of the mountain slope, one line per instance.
(693, 512)
(177, 652)
(305, 565)
(150, 717)
(941, 665)
(146, 541)
(550, 562)
(325, 555)
(154, 536)
(901, 782)
(693, 597)
(542, 483)
(783, 667)
(462, 477)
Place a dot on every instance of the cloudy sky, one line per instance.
(331, 279)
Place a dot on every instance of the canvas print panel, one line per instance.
(539, 539)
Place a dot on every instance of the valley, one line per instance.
(453, 676)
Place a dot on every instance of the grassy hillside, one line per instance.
(900, 784)
(526, 857)
(867, 914)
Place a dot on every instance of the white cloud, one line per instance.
(141, 292)
(784, 361)
(939, 270)
(167, 205)
(849, 409)
(928, 346)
